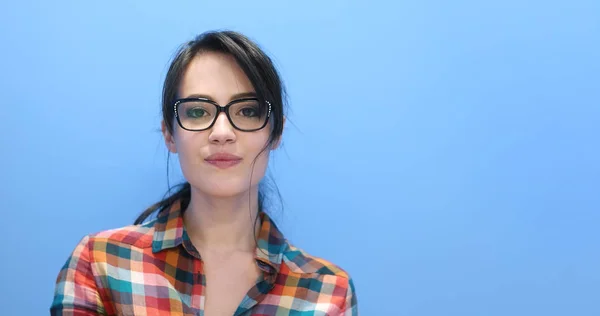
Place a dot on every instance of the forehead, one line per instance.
(216, 75)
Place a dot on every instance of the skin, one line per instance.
(218, 219)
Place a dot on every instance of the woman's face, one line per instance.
(219, 161)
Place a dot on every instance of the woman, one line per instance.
(211, 249)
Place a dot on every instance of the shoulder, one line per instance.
(79, 283)
(300, 261)
(339, 282)
(131, 236)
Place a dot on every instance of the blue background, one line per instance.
(445, 153)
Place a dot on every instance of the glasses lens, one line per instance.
(248, 114)
(196, 115)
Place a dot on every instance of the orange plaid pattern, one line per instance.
(153, 269)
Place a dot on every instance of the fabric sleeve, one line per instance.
(351, 305)
(75, 291)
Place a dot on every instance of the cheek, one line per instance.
(258, 168)
(261, 162)
(189, 146)
(255, 146)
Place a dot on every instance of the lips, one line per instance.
(223, 160)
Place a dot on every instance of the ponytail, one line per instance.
(182, 194)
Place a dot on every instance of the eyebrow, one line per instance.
(233, 97)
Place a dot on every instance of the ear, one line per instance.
(278, 141)
(169, 139)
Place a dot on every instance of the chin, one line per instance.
(223, 188)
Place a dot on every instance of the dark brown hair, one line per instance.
(259, 69)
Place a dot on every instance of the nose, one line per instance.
(222, 131)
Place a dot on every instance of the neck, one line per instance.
(223, 224)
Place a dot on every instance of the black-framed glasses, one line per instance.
(199, 114)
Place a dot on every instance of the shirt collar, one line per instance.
(271, 243)
(169, 232)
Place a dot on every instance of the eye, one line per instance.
(249, 112)
(196, 112)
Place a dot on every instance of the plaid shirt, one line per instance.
(150, 269)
